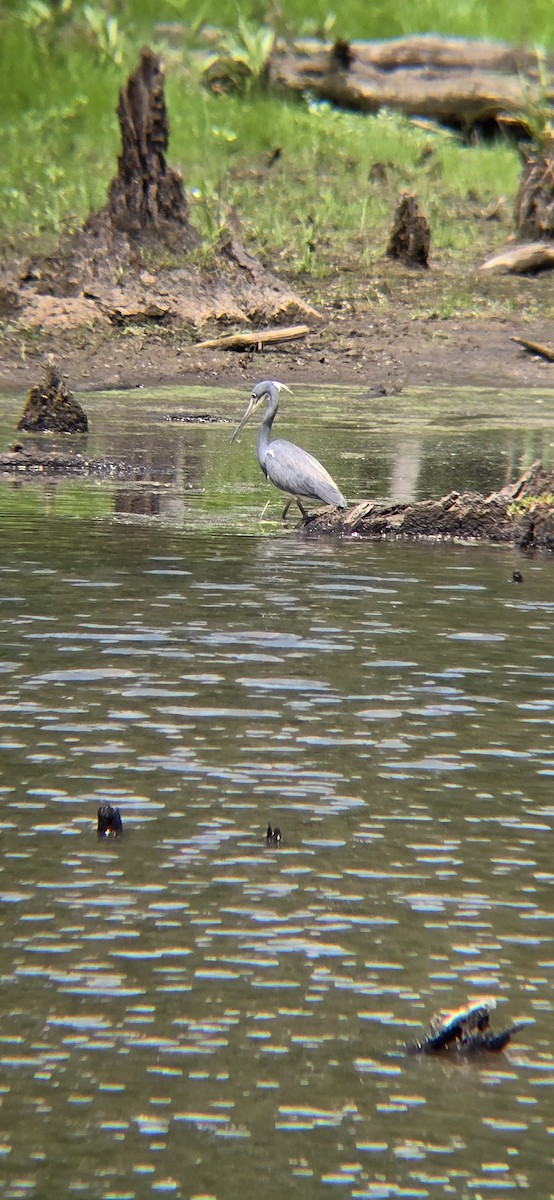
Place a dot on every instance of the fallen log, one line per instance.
(520, 514)
(433, 50)
(463, 83)
(522, 260)
(258, 339)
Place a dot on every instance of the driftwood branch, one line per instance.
(258, 339)
(521, 514)
(535, 348)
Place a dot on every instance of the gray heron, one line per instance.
(287, 466)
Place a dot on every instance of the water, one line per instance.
(186, 1011)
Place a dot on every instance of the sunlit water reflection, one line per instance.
(186, 1010)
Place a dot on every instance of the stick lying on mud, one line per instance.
(258, 339)
(535, 348)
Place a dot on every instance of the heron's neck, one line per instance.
(265, 427)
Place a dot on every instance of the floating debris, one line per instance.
(464, 1030)
(109, 821)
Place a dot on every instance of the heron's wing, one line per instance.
(295, 471)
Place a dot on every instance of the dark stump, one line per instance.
(410, 239)
(534, 212)
(147, 194)
(51, 408)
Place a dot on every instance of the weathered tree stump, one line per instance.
(146, 194)
(116, 267)
(534, 211)
(51, 408)
(520, 514)
(410, 238)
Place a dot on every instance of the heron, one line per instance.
(287, 466)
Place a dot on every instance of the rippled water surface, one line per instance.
(187, 1011)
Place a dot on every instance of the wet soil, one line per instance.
(383, 332)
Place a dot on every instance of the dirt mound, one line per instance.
(115, 268)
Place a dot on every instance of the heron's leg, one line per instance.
(303, 510)
(286, 509)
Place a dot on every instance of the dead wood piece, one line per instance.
(534, 209)
(466, 84)
(535, 348)
(428, 50)
(411, 236)
(146, 193)
(260, 338)
(522, 513)
(522, 260)
(231, 247)
(52, 408)
(35, 462)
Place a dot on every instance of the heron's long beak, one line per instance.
(251, 406)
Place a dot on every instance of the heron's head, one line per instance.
(270, 388)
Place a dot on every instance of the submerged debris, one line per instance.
(197, 418)
(522, 513)
(109, 821)
(464, 1030)
(51, 407)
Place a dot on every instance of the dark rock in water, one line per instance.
(465, 1030)
(109, 821)
(273, 837)
(51, 408)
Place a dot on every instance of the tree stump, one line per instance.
(534, 212)
(146, 194)
(410, 238)
(51, 408)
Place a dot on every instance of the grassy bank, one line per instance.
(315, 187)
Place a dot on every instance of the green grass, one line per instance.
(317, 206)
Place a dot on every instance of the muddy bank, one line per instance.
(346, 347)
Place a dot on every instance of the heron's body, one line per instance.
(291, 469)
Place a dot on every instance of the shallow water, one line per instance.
(187, 1011)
